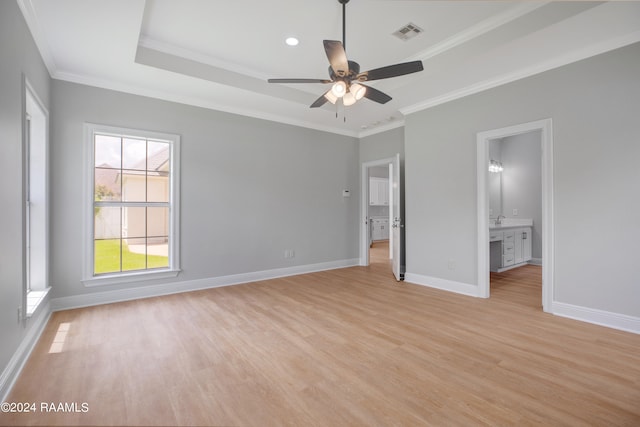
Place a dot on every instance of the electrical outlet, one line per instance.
(289, 253)
(515, 212)
(19, 314)
(452, 264)
(292, 253)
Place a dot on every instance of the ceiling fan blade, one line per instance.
(299, 81)
(320, 101)
(390, 71)
(377, 96)
(337, 57)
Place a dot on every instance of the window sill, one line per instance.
(34, 298)
(115, 279)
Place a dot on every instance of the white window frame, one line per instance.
(89, 278)
(35, 185)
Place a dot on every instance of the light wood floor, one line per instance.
(343, 347)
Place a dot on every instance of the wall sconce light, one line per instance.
(495, 166)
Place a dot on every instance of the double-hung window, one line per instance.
(132, 208)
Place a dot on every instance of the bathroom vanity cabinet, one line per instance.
(379, 229)
(510, 247)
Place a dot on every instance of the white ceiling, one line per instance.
(219, 54)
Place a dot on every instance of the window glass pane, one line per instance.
(158, 256)
(134, 254)
(107, 168)
(107, 256)
(108, 152)
(106, 184)
(158, 171)
(158, 154)
(134, 222)
(134, 154)
(157, 237)
(106, 222)
(157, 222)
(134, 186)
(158, 187)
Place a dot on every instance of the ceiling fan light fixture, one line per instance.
(339, 89)
(358, 91)
(344, 75)
(348, 99)
(331, 97)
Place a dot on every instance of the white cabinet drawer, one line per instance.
(508, 248)
(495, 236)
(507, 260)
(509, 236)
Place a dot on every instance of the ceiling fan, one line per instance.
(346, 76)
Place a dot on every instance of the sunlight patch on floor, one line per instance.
(61, 336)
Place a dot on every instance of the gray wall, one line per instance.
(522, 182)
(594, 105)
(18, 54)
(250, 188)
(382, 145)
(379, 172)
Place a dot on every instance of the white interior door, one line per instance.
(396, 218)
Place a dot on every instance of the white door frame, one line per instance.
(364, 208)
(483, 138)
(396, 219)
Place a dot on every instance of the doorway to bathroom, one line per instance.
(378, 214)
(515, 221)
(381, 242)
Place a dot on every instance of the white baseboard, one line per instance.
(444, 284)
(14, 367)
(107, 297)
(598, 317)
(535, 261)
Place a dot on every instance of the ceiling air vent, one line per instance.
(407, 32)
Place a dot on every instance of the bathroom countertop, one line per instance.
(511, 223)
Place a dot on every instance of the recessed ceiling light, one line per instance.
(292, 41)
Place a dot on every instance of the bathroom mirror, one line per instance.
(495, 180)
(495, 195)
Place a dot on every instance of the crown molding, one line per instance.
(382, 128)
(478, 29)
(196, 102)
(30, 17)
(577, 55)
(170, 49)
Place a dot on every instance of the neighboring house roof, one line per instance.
(157, 164)
(159, 161)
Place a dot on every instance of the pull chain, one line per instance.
(344, 110)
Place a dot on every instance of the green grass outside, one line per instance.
(107, 258)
